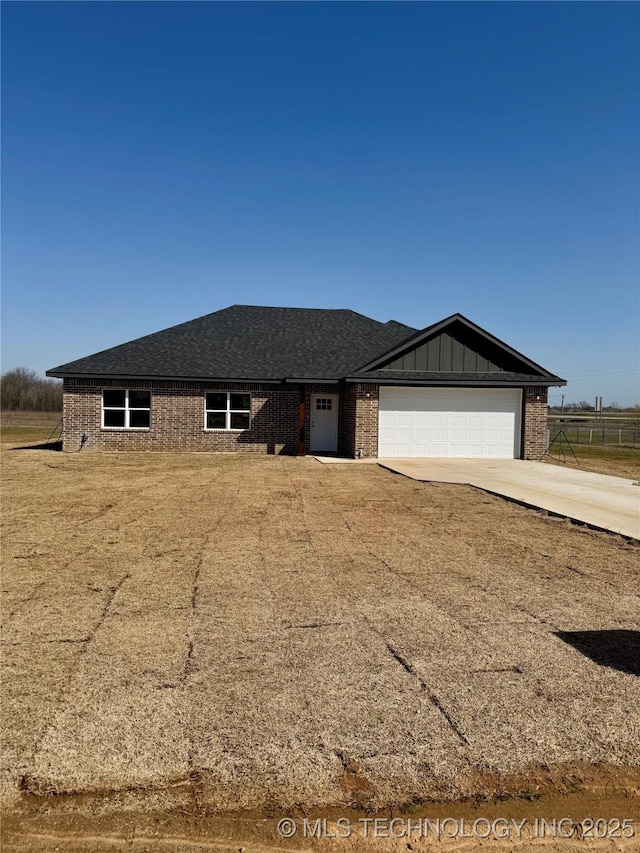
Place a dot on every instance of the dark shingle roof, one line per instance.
(250, 342)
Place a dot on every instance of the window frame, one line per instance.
(328, 404)
(126, 409)
(228, 412)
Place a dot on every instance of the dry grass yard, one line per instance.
(616, 461)
(195, 635)
(28, 426)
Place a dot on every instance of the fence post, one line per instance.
(590, 435)
(619, 436)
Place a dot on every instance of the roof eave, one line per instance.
(160, 378)
(308, 380)
(486, 383)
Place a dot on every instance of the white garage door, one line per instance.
(466, 422)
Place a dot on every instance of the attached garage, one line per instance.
(453, 422)
(452, 390)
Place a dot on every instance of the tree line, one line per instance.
(22, 389)
(584, 406)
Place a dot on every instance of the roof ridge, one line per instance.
(292, 308)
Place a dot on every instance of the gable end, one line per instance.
(457, 349)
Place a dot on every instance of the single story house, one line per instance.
(301, 380)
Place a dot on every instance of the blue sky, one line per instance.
(405, 160)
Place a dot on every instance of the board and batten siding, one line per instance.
(462, 352)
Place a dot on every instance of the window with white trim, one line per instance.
(126, 409)
(228, 410)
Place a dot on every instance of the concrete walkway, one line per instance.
(610, 503)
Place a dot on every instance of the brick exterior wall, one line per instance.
(177, 418)
(347, 429)
(534, 419)
(364, 412)
(357, 418)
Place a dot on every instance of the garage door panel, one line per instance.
(403, 421)
(449, 422)
(436, 421)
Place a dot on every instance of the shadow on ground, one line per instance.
(619, 649)
(48, 445)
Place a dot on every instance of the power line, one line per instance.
(614, 369)
(615, 366)
(603, 376)
(603, 379)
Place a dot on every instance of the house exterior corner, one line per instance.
(534, 422)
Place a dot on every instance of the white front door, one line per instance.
(324, 423)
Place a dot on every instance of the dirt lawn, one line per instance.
(195, 635)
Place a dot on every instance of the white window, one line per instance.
(124, 409)
(324, 403)
(227, 410)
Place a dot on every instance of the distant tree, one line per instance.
(586, 407)
(22, 389)
(15, 387)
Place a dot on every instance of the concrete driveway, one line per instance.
(610, 503)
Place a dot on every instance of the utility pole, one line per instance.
(562, 406)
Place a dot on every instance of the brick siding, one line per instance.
(177, 418)
(365, 414)
(534, 422)
(347, 427)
